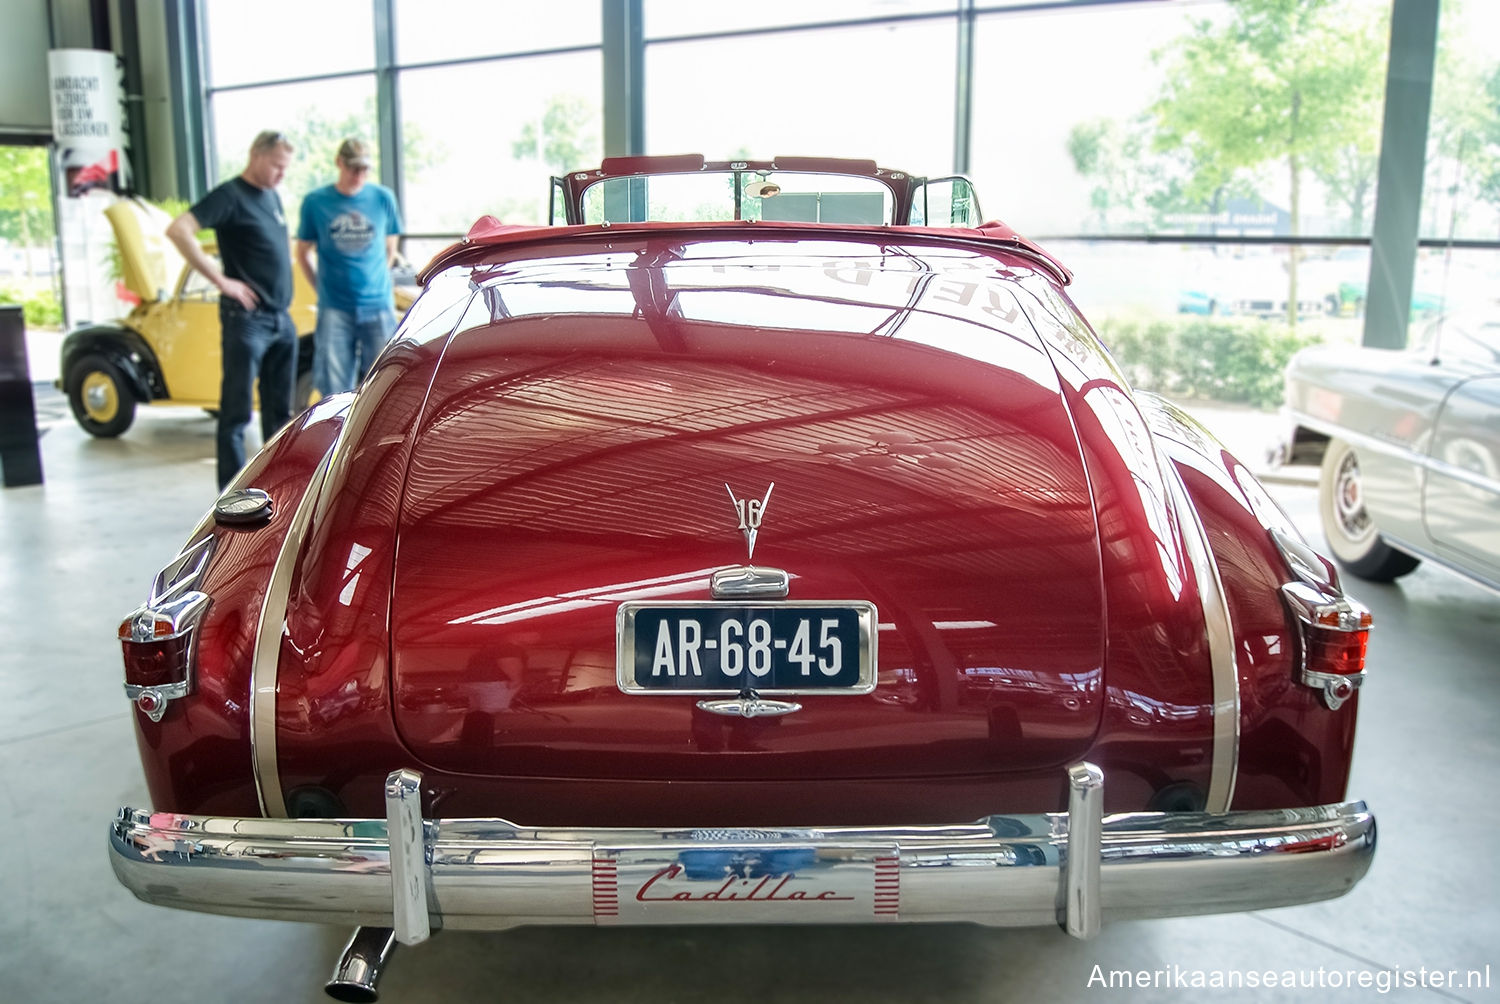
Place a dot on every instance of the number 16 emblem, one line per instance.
(750, 513)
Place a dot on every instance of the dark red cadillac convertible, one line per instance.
(766, 542)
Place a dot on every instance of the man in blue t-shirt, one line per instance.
(353, 224)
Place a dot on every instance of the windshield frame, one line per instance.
(901, 184)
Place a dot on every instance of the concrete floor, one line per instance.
(79, 552)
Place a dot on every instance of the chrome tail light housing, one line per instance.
(1334, 628)
(1335, 631)
(159, 638)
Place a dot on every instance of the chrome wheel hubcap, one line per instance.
(100, 398)
(1349, 500)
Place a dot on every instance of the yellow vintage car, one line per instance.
(166, 351)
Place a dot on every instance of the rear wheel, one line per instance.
(101, 399)
(1351, 532)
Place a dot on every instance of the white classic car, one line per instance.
(1409, 441)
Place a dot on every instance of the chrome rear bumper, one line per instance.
(413, 874)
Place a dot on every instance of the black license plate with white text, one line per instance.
(783, 647)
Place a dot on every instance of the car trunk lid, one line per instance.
(564, 466)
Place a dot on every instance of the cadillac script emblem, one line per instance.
(750, 513)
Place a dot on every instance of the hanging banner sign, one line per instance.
(88, 118)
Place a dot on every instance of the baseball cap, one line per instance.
(355, 153)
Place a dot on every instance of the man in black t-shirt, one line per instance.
(255, 286)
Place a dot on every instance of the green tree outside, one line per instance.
(1285, 83)
(1111, 154)
(565, 139)
(1463, 141)
(1134, 179)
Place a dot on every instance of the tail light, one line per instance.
(159, 638)
(1334, 629)
(1334, 632)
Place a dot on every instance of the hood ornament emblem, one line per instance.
(746, 582)
(750, 513)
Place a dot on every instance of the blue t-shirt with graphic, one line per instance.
(350, 233)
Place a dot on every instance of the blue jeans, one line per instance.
(254, 342)
(346, 344)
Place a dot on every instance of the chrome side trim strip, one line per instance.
(1085, 849)
(268, 649)
(1216, 620)
(1469, 573)
(1375, 444)
(403, 824)
(1472, 478)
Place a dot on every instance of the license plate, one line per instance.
(785, 647)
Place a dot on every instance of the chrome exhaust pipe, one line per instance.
(360, 967)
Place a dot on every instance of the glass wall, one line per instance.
(1209, 119)
(493, 98)
(483, 138)
(270, 39)
(1196, 162)
(1145, 142)
(439, 31)
(881, 91)
(1461, 197)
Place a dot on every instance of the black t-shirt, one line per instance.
(253, 241)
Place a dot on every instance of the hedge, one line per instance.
(1238, 360)
(41, 309)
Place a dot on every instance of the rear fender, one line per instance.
(1293, 750)
(198, 758)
